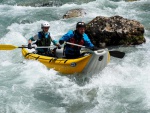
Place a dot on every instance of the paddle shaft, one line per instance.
(12, 47)
(117, 54)
(22, 47)
(76, 45)
(39, 47)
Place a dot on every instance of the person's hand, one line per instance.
(94, 48)
(58, 46)
(61, 42)
(29, 46)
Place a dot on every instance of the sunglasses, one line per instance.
(45, 27)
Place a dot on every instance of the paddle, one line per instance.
(116, 54)
(12, 47)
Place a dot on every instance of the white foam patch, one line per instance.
(13, 11)
(93, 9)
(68, 5)
(33, 71)
(131, 74)
(13, 38)
(29, 30)
(6, 63)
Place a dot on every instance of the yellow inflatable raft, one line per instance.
(89, 62)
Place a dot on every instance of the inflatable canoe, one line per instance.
(89, 62)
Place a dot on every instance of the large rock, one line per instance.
(74, 13)
(115, 30)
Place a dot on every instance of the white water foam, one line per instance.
(30, 87)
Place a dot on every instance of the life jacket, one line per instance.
(71, 49)
(43, 41)
(75, 40)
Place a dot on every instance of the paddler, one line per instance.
(43, 38)
(79, 37)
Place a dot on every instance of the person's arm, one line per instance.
(87, 41)
(55, 43)
(30, 41)
(66, 37)
(33, 39)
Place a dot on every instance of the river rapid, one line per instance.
(29, 87)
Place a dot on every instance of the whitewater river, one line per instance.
(29, 87)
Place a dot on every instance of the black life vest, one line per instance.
(43, 41)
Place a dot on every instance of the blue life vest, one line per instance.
(76, 39)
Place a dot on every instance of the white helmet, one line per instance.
(45, 24)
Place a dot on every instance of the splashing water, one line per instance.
(29, 87)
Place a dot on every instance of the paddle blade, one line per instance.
(7, 47)
(117, 54)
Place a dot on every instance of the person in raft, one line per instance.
(79, 37)
(43, 38)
